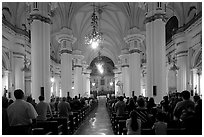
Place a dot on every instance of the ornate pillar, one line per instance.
(156, 50)
(5, 81)
(125, 73)
(66, 39)
(143, 81)
(181, 54)
(78, 78)
(57, 84)
(117, 78)
(40, 49)
(28, 83)
(88, 89)
(18, 73)
(134, 41)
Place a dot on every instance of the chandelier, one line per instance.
(95, 37)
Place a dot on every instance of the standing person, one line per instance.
(52, 104)
(42, 109)
(131, 105)
(64, 108)
(160, 127)
(120, 107)
(20, 115)
(76, 104)
(133, 124)
(183, 105)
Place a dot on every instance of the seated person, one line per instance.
(133, 124)
(160, 126)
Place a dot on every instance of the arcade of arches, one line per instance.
(150, 48)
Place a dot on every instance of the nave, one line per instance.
(70, 53)
(98, 122)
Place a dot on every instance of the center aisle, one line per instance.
(98, 122)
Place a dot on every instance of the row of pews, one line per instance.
(119, 124)
(58, 125)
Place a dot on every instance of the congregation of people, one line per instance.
(23, 113)
(177, 111)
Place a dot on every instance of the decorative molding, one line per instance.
(18, 53)
(134, 37)
(65, 34)
(134, 51)
(79, 66)
(155, 17)
(199, 33)
(39, 17)
(124, 66)
(179, 43)
(5, 38)
(66, 51)
(7, 24)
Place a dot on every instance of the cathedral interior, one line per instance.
(84, 49)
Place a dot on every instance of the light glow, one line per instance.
(94, 44)
(93, 84)
(52, 79)
(100, 67)
(111, 83)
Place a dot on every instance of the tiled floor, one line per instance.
(98, 122)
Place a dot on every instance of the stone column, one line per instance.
(181, 54)
(5, 81)
(88, 89)
(125, 73)
(66, 39)
(57, 83)
(134, 41)
(117, 73)
(156, 50)
(78, 80)
(143, 81)
(18, 73)
(40, 50)
(28, 83)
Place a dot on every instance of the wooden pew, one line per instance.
(49, 126)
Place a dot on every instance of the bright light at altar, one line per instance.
(94, 39)
(100, 67)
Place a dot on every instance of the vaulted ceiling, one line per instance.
(116, 19)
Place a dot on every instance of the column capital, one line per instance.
(134, 37)
(116, 71)
(124, 60)
(65, 34)
(154, 11)
(88, 71)
(39, 11)
(77, 54)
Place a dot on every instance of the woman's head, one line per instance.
(151, 100)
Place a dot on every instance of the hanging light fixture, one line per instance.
(95, 37)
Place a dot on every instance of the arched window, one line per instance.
(171, 26)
